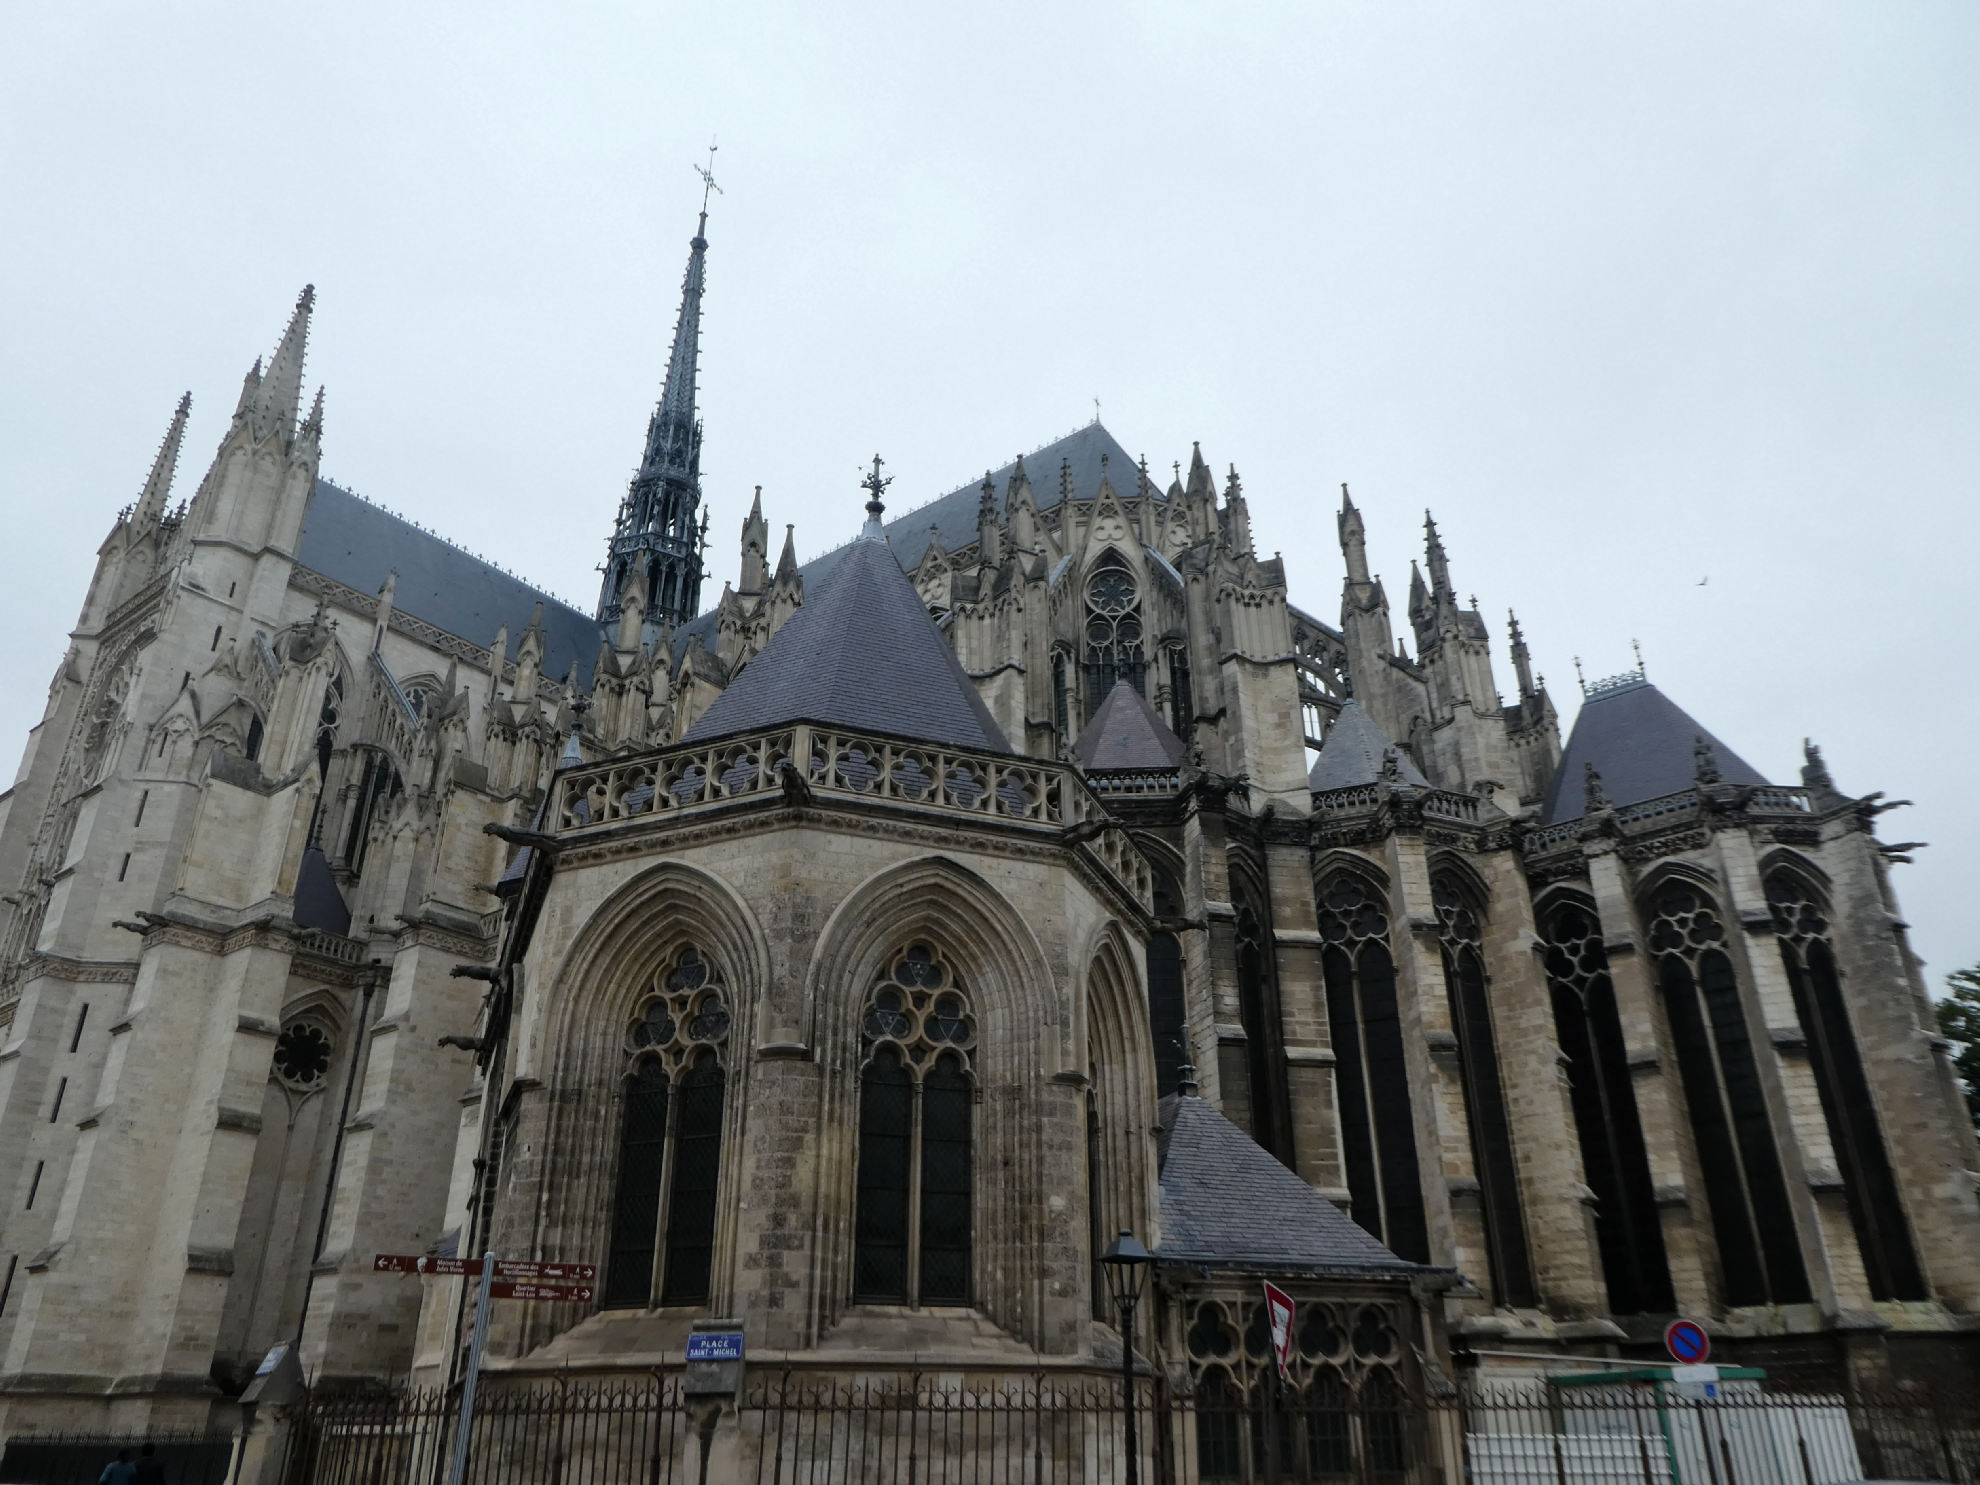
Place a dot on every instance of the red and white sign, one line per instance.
(525, 1269)
(1279, 1311)
(500, 1289)
(1687, 1342)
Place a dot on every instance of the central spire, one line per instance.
(656, 532)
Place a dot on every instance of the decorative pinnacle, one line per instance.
(875, 485)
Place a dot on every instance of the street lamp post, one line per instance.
(1126, 1263)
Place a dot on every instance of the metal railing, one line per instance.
(788, 1427)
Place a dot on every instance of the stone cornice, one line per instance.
(79, 971)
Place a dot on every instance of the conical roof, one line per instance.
(1126, 733)
(1643, 744)
(1353, 752)
(862, 652)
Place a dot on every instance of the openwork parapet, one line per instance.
(836, 763)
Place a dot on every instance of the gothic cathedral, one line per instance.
(856, 955)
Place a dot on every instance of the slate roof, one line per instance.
(860, 652)
(1226, 1203)
(954, 515)
(1126, 733)
(1352, 754)
(1643, 745)
(358, 543)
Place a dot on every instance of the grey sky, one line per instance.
(1632, 296)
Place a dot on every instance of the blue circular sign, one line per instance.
(1687, 1342)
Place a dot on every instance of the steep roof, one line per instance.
(1126, 733)
(861, 652)
(1643, 745)
(358, 543)
(1353, 752)
(1226, 1203)
(954, 515)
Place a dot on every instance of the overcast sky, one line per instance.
(1670, 312)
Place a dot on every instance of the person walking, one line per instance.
(119, 1471)
(150, 1468)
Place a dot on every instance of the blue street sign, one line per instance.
(715, 1345)
(1687, 1342)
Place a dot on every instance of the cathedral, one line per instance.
(854, 955)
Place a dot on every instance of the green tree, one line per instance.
(1959, 1023)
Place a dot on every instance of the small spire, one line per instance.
(1580, 679)
(875, 486)
(1438, 563)
(151, 503)
(1065, 481)
(1347, 501)
(787, 564)
(272, 408)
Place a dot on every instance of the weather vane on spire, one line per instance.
(707, 174)
(875, 485)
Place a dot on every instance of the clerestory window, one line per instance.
(1588, 1028)
(1759, 1255)
(914, 1207)
(1378, 1131)
(1463, 950)
(670, 1140)
(1870, 1188)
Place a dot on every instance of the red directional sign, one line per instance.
(1687, 1342)
(1279, 1312)
(527, 1269)
(501, 1290)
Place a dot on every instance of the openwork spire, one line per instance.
(656, 529)
(151, 504)
(277, 394)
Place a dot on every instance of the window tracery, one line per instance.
(1378, 1134)
(302, 1057)
(913, 1210)
(670, 1141)
(1588, 1030)
(1113, 631)
(1870, 1189)
(1759, 1254)
(1462, 945)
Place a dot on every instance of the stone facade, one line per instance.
(1487, 994)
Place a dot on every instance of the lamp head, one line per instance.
(1126, 1263)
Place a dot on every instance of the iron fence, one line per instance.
(790, 1428)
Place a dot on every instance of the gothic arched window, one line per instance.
(670, 1141)
(914, 1205)
(1182, 706)
(1588, 1029)
(1463, 950)
(1378, 1130)
(1258, 1012)
(1759, 1255)
(1168, 1012)
(1876, 1211)
(1113, 632)
(378, 786)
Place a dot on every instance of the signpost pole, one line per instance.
(457, 1469)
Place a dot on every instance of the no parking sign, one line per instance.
(1687, 1342)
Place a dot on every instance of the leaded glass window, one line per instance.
(914, 1202)
(1628, 1233)
(1493, 1158)
(1876, 1209)
(670, 1139)
(1759, 1255)
(1258, 1012)
(1378, 1130)
(1113, 632)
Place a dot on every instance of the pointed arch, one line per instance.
(1121, 1096)
(1022, 1037)
(616, 962)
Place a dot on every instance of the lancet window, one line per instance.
(1378, 1130)
(1463, 951)
(1759, 1256)
(1876, 1211)
(913, 1210)
(1588, 1030)
(670, 1139)
(1258, 1012)
(1168, 1012)
(1113, 631)
(1182, 704)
